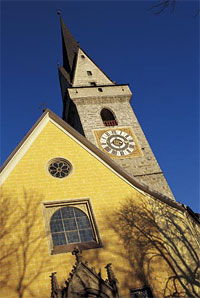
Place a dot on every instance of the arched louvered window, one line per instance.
(108, 118)
(70, 225)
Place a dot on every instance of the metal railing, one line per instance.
(110, 123)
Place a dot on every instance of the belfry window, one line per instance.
(108, 118)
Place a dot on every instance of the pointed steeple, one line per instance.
(78, 68)
(70, 49)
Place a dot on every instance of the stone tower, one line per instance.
(100, 110)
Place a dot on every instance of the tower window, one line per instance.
(108, 118)
(100, 89)
(89, 73)
(82, 56)
(70, 222)
(93, 83)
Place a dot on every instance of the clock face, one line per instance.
(117, 142)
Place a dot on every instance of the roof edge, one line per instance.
(100, 154)
(23, 140)
(114, 165)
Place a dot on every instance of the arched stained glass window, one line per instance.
(108, 118)
(70, 225)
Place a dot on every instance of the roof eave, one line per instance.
(101, 155)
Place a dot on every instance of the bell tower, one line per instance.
(100, 110)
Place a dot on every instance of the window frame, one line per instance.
(49, 208)
(58, 160)
(109, 123)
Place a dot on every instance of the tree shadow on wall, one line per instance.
(159, 236)
(21, 240)
(84, 281)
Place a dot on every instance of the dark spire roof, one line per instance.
(70, 50)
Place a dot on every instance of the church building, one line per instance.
(85, 208)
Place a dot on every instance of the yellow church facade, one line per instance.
(67, 206)
(32, 195)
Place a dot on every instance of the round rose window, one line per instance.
(59, 167)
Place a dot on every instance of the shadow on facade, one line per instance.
(159, 246)
(20, 243)
(84, 281)
(160, 251)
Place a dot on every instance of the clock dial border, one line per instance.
(117, 142)
(128, 147)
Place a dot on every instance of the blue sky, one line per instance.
(158, 55)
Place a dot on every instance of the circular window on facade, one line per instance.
(59, 167)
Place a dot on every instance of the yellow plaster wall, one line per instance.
(28, 262)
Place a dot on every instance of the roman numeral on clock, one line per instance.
(114, 152)
(107, 149)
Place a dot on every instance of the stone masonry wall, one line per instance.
(90, 102)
